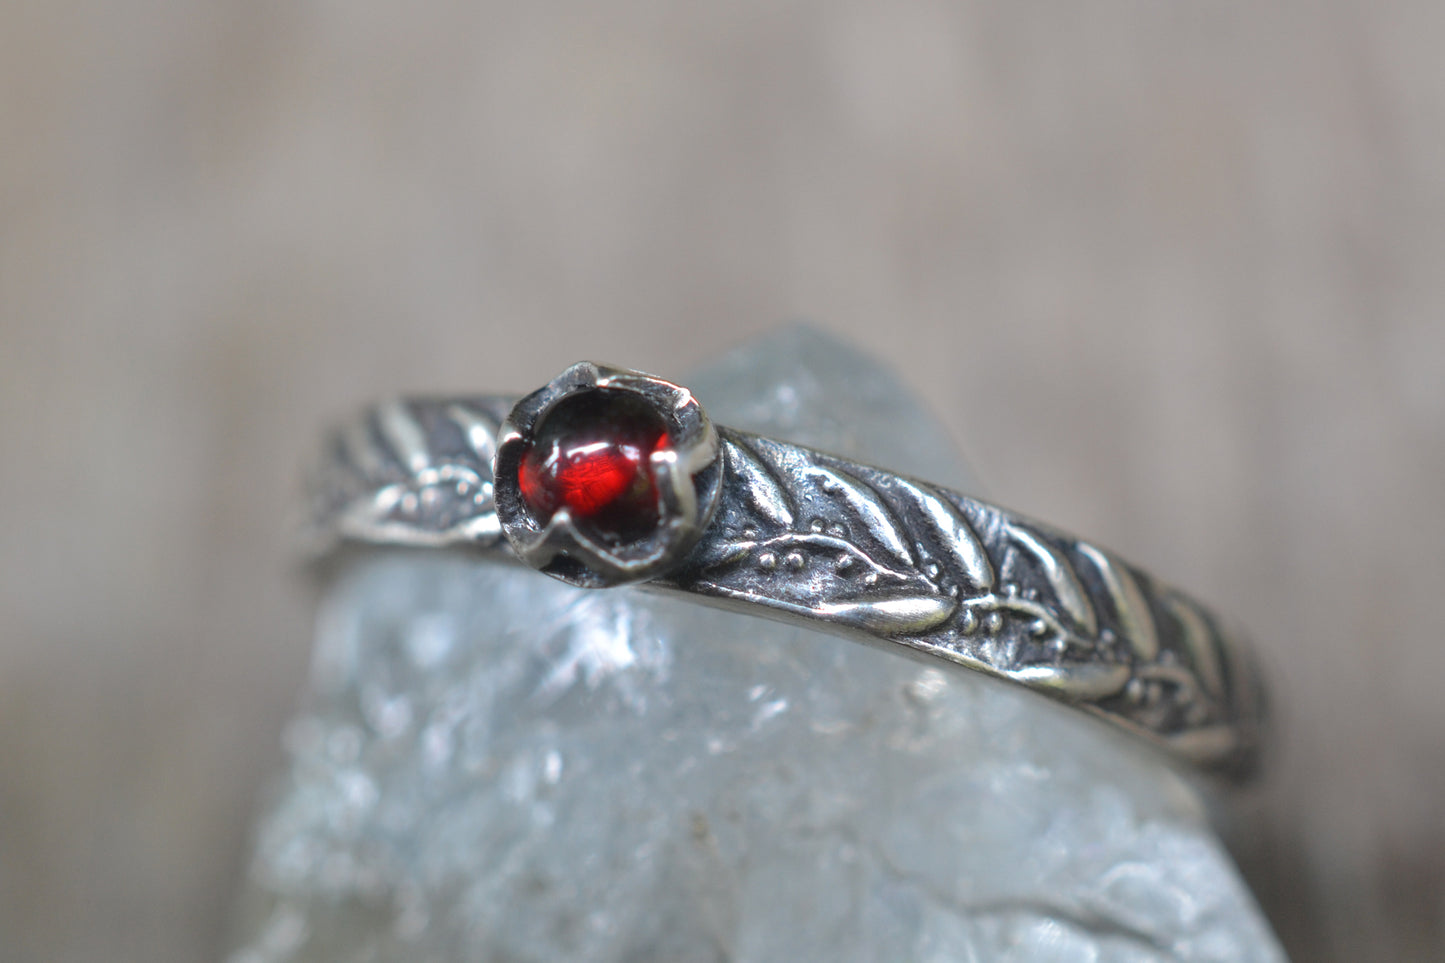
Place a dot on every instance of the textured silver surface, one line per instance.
(801, 534)
(496, 766)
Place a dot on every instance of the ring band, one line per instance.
(607, 476)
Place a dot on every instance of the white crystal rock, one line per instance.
(494, 766)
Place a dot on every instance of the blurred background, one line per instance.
(1174, 274)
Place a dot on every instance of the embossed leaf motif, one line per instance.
(452, 509)
(869, 578)
(953, 533)
(1079, 681)
(901, 615)
(723, 552)
(1061, 577)
(864, 504)
(872, 556)
(404, 437)
(398, 489)
(480, 432)
(1198, 642)
(764, 492)
(1135, 617)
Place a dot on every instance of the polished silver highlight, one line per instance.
(770, 527)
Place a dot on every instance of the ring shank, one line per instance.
(806, 536)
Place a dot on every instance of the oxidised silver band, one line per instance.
(787, 531)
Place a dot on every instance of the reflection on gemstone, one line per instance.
(591, 455)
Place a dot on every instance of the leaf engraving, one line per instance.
(404, 436)
(903, 615)
(1199, 642)
(846, 556)
(723, 552)
(480, 433)
(954, 533)
(763, 489)
(1062, 578)
(443, 505)
(866, 506)
(1135, 618)
(1082, 681)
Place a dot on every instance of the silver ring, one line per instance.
(606, 476)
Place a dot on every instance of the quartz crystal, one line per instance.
(493, 766)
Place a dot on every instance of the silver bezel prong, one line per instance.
(688, 475)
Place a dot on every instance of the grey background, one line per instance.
(1172, 272)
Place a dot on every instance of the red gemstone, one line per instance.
(591, 455)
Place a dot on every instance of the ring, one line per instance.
(606, 476)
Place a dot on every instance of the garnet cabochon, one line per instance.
(591, 454)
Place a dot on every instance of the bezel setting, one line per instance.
(686, 473)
